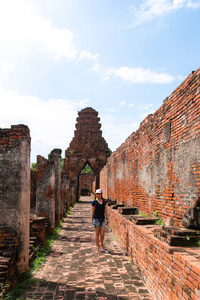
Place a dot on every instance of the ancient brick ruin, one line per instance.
(156, 170)
(87, 147)
(14, 199)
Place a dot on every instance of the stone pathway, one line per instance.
(75, 270)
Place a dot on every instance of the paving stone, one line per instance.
(75, 270)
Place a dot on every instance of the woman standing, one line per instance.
(99, 212)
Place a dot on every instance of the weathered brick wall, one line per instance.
(171, 273)
(15, 191)
(158, 167)
(45, 193)
(86, 183)
(55, 156)
(37, 230)
(65, 192)
(33, 190)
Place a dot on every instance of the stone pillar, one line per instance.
(65, 192)
(55, 156)
(45, 192)
(15, 191)
(33, 190)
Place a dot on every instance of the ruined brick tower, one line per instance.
(87, 147)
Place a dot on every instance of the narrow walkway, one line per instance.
(75, 270)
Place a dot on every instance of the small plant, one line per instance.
(155, 213)
(159, 222)
(3, 288)
(72, 151)
(198, 244)
(143, 215)
(33, 166)
(187, 237)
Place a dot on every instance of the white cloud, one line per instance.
(152, 9)
(22, 30)
(51, 123)
(145, 106)
(131, 105)
(116, 130)
(139, 75)
(122, 103)
(88, 55)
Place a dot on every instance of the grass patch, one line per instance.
(40, 256)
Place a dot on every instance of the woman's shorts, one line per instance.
(98, 223)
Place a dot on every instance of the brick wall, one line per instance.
(15, 192)
(157, 168)
(86, 183)
(45, 192)
(33, 190)
(55, 156)
(171, 273)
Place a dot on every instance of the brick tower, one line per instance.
(87, 147)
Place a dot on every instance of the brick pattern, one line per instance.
(86, 184)
(87, 147)
(74, 270)
(171, 273)
(15, 193)
(10, 137)
(157, 168)
(37, 230)
(45, 192)
(8, 266)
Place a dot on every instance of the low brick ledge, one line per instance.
(170, 273)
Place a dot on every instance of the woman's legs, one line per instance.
(102, 235)
(97, 234)
(99, 237)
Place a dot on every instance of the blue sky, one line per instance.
(122, 58)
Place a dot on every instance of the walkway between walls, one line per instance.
(75, 270)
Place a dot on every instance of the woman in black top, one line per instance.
(99, 211)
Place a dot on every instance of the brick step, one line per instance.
(109, 203)
(3, 268)
(175, 240)
(127, 210)
(138, 220)
(5, 260)
(180, 231)
(117, 205)
(2, 275)
(8, 253)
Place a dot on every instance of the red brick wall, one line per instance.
(86, 182)
(171, 273)
(158, 167)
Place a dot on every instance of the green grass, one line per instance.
(40, 256)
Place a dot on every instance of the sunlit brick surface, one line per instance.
(75, 270)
